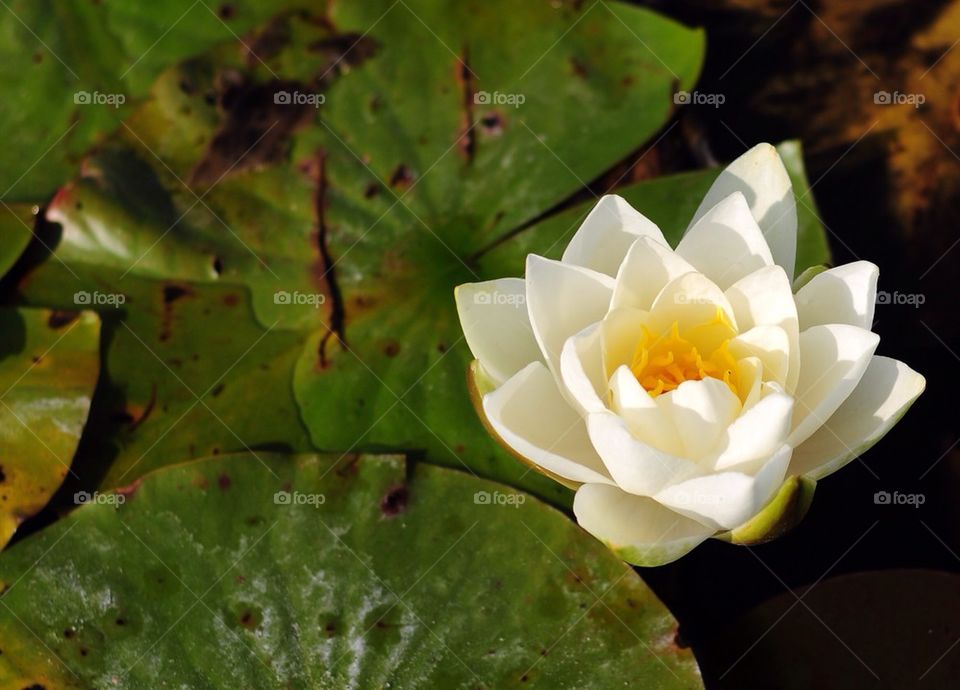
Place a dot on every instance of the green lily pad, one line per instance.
(48, 369)
(365, 210)
(306, 572)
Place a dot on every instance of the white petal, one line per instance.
(690, 300)
(493, 316)
(833, 357)
(639, 529)
(647, 268)
(762, 178)
(884, 394)
(756, 434)
(700, 412)
(727, 499)
(845, 294)
(771, 345)
(562, 300)
(531, 416)
(621, 331)
(607, 233)
(634, 465)
(726, 243)
(581, 369)
(750, 378)
(765, 298)
(644, 418)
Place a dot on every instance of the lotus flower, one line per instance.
(685, 393)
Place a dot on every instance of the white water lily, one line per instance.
(679, 390)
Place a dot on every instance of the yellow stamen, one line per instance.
(662, 362)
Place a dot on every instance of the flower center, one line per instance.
(662, 362)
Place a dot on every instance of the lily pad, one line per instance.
(365, 210)
(48, 369)
(285, 571)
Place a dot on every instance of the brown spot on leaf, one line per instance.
(224, 481)
(401, 178)
(58, 319)
(578, 67)
(391, 349)
(173, 292)
(255, 127)
(344, 51)
(492, 123)
(464, 77)
(395, 500)
(269, 41)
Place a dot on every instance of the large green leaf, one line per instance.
(374, 204)
(48, 369)
(364, 573)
